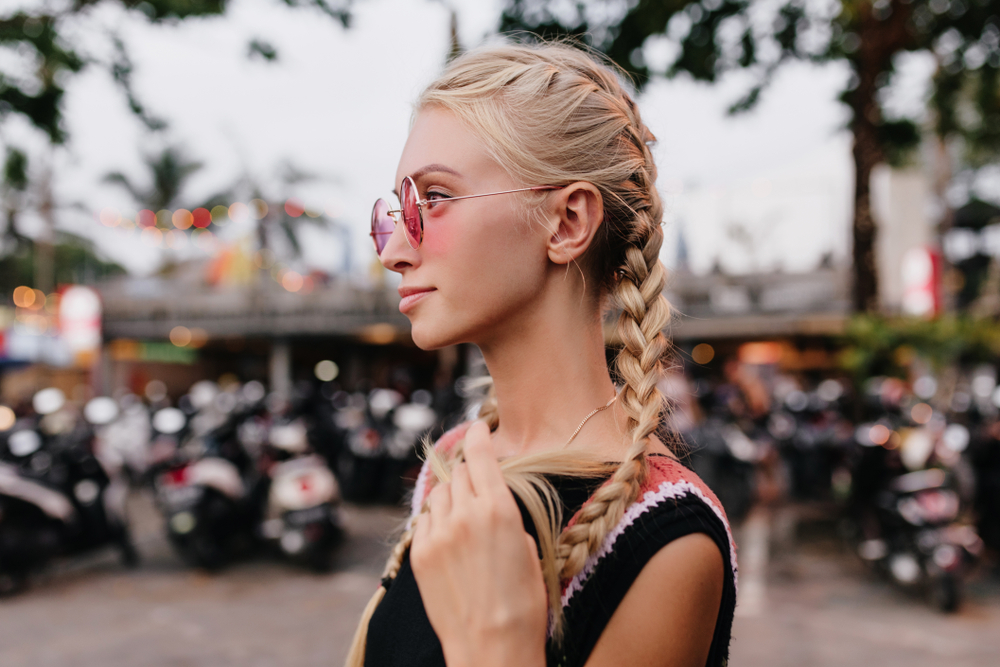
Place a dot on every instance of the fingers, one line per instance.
(440, 505)
(461, 486)
(484, 470)
(421, 537)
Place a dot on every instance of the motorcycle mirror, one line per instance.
(101, 410)
(47, 401)
(168, 420)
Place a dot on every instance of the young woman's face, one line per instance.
(481, 264)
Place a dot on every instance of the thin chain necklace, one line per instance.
(585, 419)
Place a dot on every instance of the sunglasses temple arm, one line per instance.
(504, 192)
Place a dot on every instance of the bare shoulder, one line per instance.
(668, 616)
(656, 446)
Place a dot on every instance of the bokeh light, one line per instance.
(39, 301)
(147, 218)
(110, 217)
(702, 353)
(182, 218)
(921, 413)
(201, 218)
(313, 214)
(7, 418)
(258, 209)
(206, 241)
(24, 297)
(52, 303)
(199, 337)
(879, 434)
(180, 336)
(291, 281)
(239, 212)
(294, 207)
(164, 218)
(220, 214)
(326, 371)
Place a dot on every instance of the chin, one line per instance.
(431, 336)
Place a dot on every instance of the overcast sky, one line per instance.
(336, 104)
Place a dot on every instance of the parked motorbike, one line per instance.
(201, 489)
(725, 458)
(56, 497)
(301, 516)
(909, 523)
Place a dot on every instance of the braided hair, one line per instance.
(555, 114)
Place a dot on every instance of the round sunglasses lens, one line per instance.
(413, 224)
(381, 225)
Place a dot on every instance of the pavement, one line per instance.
(804, 601)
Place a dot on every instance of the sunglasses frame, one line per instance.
(409, 185)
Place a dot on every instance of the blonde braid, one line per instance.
(645, 313)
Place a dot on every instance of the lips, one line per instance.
(411, 295)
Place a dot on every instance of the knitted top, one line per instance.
(673, 503)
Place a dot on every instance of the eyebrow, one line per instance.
(429, 169)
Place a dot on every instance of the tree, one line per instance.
(168, 172)
(712, 37)
(40, 40)
(38, 34)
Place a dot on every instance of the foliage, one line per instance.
(41, 40)
(168, 172)
(76, 261)
(711, 37)
(716, 36)
(38, 36)
(885, 346)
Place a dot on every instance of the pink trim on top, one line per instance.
(668, 480)
(421, 489)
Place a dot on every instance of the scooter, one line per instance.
(912, 530)
(56, 496)
(725, 458)
(302, 513)
(200, 490)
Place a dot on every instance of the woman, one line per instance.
(527, 207)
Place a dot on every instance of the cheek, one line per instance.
(439, 241)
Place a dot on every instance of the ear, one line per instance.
(575, 213)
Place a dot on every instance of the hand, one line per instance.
(477, 569)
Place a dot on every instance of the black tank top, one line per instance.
(400, 635)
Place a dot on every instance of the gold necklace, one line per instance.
(594, 412)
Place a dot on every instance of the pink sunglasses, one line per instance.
(384, 219)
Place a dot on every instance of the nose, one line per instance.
(397, 255)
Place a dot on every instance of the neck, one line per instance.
(549, 372)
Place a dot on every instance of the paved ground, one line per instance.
(804, 602)
(813, 604)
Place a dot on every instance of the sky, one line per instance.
(768, 189)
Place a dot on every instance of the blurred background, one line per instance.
(210, 406)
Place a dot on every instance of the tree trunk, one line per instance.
(880, 39)
(866, 156)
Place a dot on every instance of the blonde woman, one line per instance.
(558, 529)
